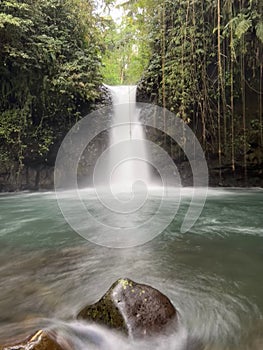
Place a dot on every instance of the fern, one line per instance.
(9, 19)
(15, 5)
(6, 19)
(259, 31)
(242, 27)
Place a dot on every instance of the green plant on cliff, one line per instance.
(206, 66)
(49, 73)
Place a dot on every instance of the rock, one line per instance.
(33, 178)
(39, 341)
(136, 309)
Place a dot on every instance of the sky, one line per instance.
(115, 13)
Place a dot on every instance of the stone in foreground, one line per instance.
(135, 309)
(39, 341)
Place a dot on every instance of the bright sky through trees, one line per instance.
(127, 44)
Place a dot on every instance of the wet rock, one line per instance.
(39, 341)
(135, 309)
(33, 178)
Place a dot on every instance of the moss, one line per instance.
(131, 308)
(105, 311)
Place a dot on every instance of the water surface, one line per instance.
(212, 274)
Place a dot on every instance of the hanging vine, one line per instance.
(211, 74)
(219, 87)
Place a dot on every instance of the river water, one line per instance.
(213, 274)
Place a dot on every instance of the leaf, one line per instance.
(242, 27)
(15, 5)
(9, 19)
(126, 4)
(259, 31)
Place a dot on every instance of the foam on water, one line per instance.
(213, 274)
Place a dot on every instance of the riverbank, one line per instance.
(41, 177)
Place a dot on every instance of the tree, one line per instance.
(49, 73)
(127, 46)
(206, 66)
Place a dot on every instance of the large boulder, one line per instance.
(39, 341)
(135, 309)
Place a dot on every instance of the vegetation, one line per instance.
(206, 66)
(201, 60)
(49, 73)
(126, 41)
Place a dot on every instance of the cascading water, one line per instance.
(128, 161)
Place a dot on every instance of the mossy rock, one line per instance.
(137, 310)
(39, 341)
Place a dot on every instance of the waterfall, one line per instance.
(128, 163)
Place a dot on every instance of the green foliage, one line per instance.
(243, 26)
(49, 73)
(183, 71)
(55, 54)
(126, 45)
(259, 30)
